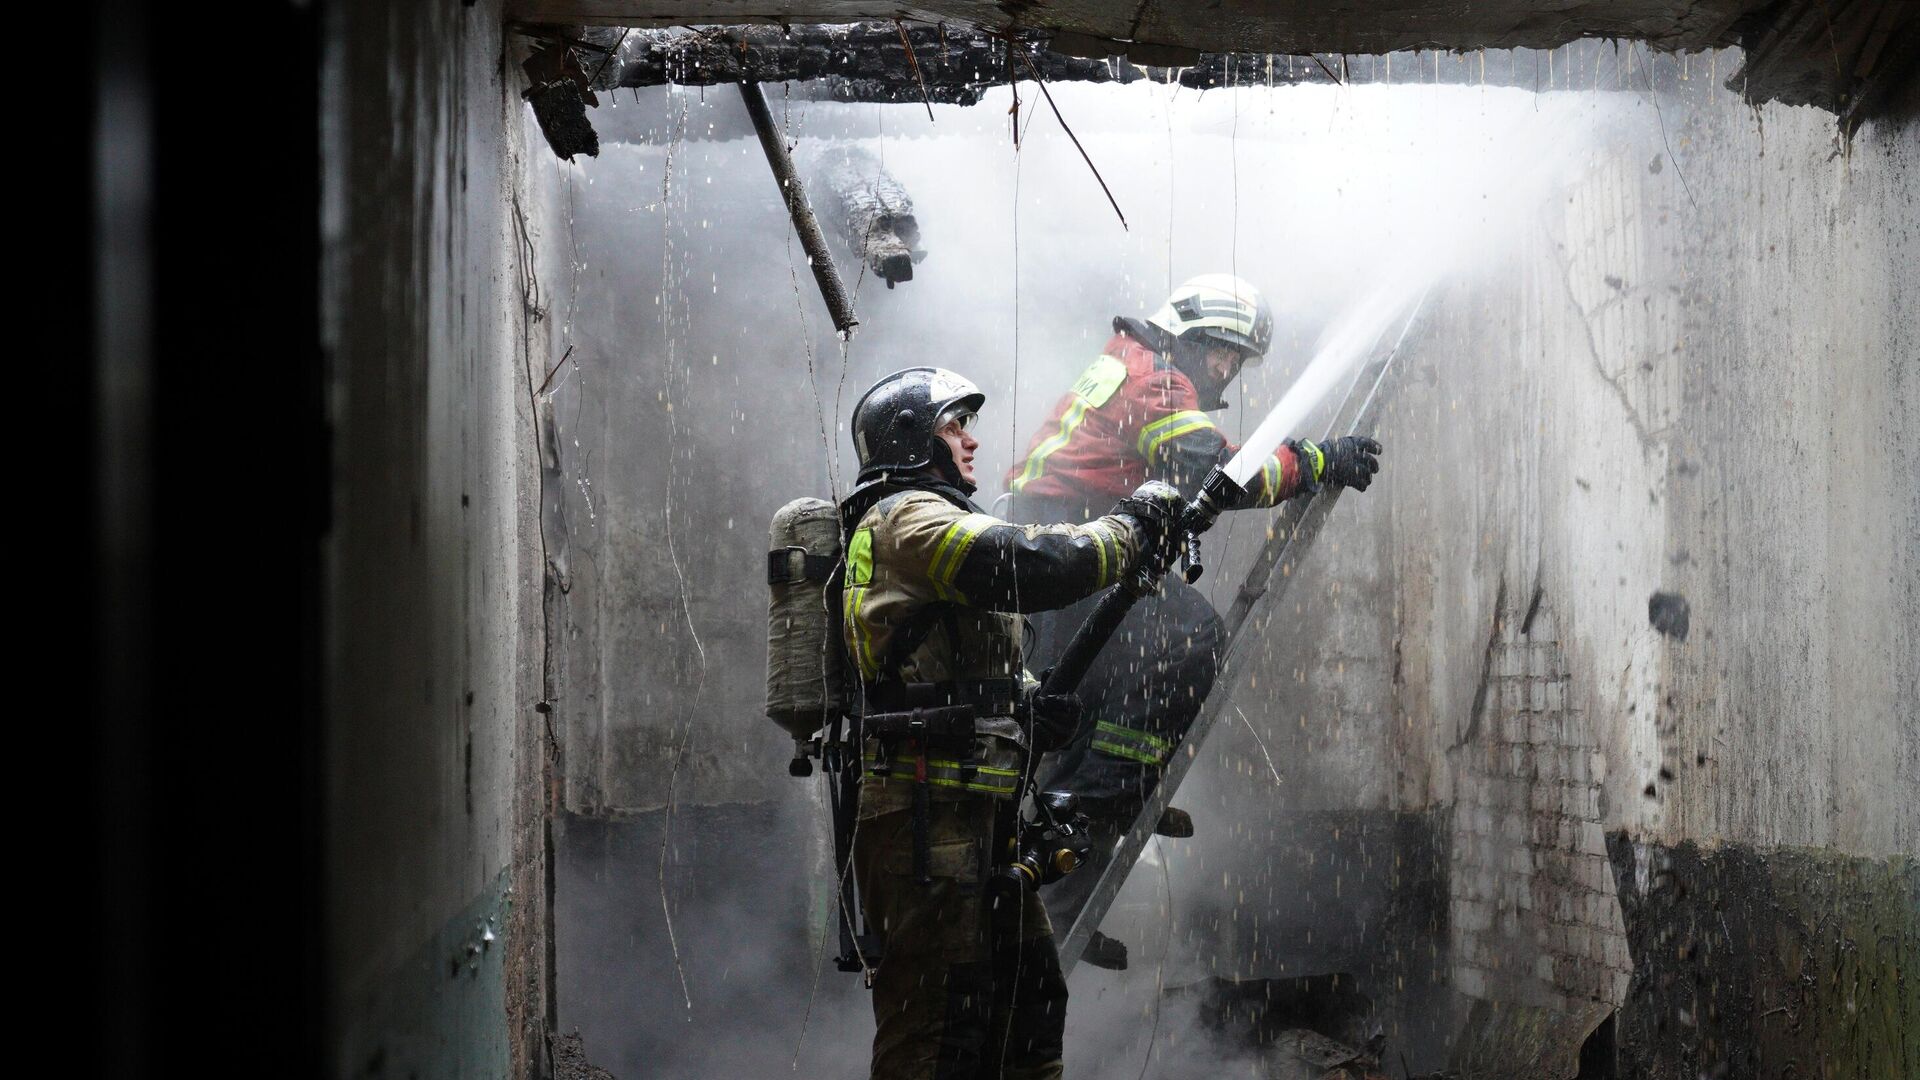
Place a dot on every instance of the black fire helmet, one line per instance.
(894, 422)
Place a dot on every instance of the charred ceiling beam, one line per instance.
(1849, 57)
(873, 61)
(1846, 56)
(891, 62)
(557, 89)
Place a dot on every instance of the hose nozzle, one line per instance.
(1218, 493)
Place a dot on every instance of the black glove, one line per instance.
(1156, 507)
(1347, 461)
(1054, 719)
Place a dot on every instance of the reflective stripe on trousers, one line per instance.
(1133, 745)
(942, 772)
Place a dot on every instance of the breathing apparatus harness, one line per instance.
(833, 716)
(910, 721)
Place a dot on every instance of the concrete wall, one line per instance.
(1705, 387)
(1711, 395)
(435, 756)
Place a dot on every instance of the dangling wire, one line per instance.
(1048, 94)
(915, 61)
(686, 607)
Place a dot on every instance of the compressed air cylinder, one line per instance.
(806, 659)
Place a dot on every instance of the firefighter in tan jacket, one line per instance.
(933, 597)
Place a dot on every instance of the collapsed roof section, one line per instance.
(1846, 56)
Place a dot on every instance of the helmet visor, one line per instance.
(1249, 349)
(959, 414)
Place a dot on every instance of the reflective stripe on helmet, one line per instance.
(1155, 435)
(1221, 307)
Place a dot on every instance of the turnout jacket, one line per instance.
(934, 592)
(1132, 417)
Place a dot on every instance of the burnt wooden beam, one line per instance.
(868, 62)
(862, 61)
(870, 210)
(1853, 57)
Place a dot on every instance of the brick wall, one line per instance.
(1534, 918)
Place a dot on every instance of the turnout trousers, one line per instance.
(953, 999)
(1141, 695)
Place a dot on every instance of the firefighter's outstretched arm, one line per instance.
(983, 561)
(1180, 445)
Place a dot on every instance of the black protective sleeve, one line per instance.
(1185, 460)
(1008, 570)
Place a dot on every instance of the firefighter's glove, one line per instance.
(1155, 508)
(1347, 461)
(1053, 719)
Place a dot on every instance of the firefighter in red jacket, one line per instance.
(1138, 413)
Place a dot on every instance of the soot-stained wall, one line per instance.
(435, 756)
(1699, 380)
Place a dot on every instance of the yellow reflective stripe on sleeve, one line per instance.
(1128, 752)
(1107, 546)
(952, 550)
(1134, 734)
(1271, 476)
(1313, 460)
(1037, 461)
(1155, 435)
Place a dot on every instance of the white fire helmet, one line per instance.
(1221, 308)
